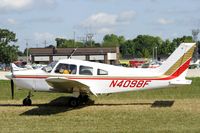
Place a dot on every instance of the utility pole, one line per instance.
(153, 55)
(74, 39)
(27, 58)
(156, 54)
(45, 43)
(195, 33)
(27, 51)
(89, 36)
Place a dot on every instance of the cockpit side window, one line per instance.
(66, 68)
(85, 70)
(49, 67)
(102, 72)
(73, 69)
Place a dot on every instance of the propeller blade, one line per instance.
(12, 88)
(12, 83)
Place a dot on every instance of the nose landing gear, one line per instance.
(27, 101)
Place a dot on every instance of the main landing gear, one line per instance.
(80, 100)
(27, 101)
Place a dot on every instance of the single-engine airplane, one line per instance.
(82, 78)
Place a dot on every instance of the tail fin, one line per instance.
(177, 64)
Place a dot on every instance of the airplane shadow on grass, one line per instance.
(55, 106)
(60, 105)
(155, 104)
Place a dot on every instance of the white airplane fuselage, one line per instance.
(130, 79)
(36, 79)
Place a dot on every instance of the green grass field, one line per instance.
(164, 110)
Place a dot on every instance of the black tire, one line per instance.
(73, 102)
(27, 102)
(84, 99)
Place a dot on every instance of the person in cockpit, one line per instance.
(64, 70)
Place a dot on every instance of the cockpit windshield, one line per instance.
(49, 67)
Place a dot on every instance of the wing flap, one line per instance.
(64, 84)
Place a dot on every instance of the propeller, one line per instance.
(12, 88)
(12, 83)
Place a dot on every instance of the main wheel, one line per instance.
(84, 99)
(73, 102)
(27, 102)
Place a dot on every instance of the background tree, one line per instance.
(50, 46)
(7, 36)
(90, 43)
(112, 40)
(177, 41)
(127, 49)
(141, 46)
(8, 52)
(166, 47)
(198, 45)
(67, 43)
(25, 52)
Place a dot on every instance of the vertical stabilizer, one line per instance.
(178, 62)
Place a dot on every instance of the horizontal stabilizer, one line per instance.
(180, 82)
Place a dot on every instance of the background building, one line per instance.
(103, 55)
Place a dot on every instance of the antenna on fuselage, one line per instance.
(72, 53)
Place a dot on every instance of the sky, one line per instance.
(37, 21)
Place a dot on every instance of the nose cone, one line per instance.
(8, 75)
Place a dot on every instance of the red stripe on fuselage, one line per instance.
(177, 73)
(31, 76)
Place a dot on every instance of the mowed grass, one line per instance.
(124, 112)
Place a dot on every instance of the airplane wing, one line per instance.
(66, 85)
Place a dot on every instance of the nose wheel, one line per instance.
(27, 101)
